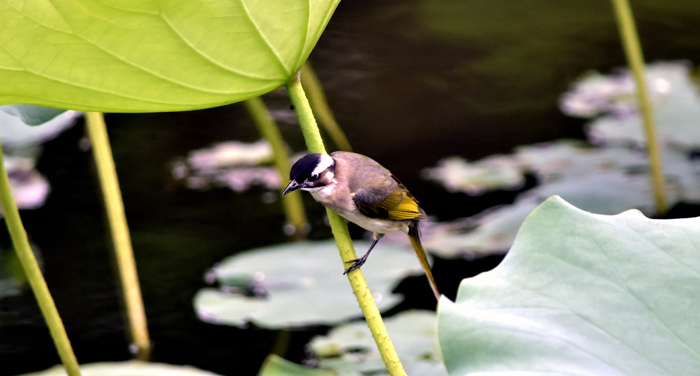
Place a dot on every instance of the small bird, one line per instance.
(365, 193)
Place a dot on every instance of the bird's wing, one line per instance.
(393, 202)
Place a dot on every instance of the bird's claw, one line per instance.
(356, 263)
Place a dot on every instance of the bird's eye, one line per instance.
(312, 178)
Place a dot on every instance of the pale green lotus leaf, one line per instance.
(581, 294)
(350, 348)
(300, 284)
(152, 55)
(130, 368)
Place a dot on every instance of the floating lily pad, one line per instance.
(564, 159)
(494, 230)
(350, 348)
(134, 368)
(582, 294)
(153, 55)
(490, 232)
(494, 172)
(605, 180)
(675, 98)
(300, 284)
(233, 164)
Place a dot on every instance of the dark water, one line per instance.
(410, 81)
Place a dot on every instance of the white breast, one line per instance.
(348, 210)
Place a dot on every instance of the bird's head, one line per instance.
(311, 173)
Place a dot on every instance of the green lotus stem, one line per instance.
(293, 206)
(33, 273)
(635, 60)
(342, 237)
(107, 173)
(319, 104)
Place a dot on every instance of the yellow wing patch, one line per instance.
(397, 206)
(406, 209)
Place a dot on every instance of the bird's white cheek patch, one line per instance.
(325, 162)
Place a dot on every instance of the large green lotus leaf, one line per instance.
(131, 368)
(302, 284)
(582, 294)
(350, 349)
(152, 55)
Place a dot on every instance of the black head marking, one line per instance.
(310, 172)
(304, 167)
(311, 167)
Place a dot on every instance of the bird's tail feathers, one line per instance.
(414, 236)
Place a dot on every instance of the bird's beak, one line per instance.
(291, 187)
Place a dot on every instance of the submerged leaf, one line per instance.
(582, 294)
(300, 284)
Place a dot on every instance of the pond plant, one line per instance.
(570, 297)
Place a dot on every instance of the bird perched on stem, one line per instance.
(365, 193)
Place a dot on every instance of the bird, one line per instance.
(363, 192)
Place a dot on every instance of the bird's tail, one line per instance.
(414, 236)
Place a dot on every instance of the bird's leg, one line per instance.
(357, 263)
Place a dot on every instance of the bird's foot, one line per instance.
(356, 264)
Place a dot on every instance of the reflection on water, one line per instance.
(407, 93)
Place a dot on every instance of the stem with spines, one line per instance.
(314, 144)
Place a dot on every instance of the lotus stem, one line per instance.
(342, 237)
(33, 273)
(293, 206)
(107, 173)
(635, 60)
(319, 104)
